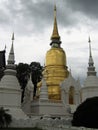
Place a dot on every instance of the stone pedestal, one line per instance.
(48, 108)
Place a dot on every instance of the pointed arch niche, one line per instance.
(71, 95)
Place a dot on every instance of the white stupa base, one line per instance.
(16, 113)
(89, 92)
(42, 108)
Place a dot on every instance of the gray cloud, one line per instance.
(87, 7)
(35, 16)
(28, 16)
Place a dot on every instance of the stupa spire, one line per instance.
(10, 90)
(55, 34)
(44, 91)
(13, 37)
(11, 58)
(90, 53)
(91, 68)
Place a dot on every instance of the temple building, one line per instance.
(71, 92)
(70, 89)
(55, 71)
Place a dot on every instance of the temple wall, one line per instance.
(88, 92)
(10, 98)
(47, 124)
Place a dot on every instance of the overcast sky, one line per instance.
(32, 23)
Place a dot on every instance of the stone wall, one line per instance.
(47, 124)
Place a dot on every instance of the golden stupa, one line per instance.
(55, 65)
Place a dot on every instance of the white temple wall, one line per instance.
(88, 92)
(10, 98)
(48, 108)
(77, 98)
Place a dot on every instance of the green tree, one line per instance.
(86, 114)
(36, 70)
(5, 118)
(23, 71)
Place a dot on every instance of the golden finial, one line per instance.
(55, 34)
(55, 7)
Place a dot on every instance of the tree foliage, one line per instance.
(23, 71)
(87, 114)
(5, 118)
(36, 70)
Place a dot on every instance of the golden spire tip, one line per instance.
(55, 7)
(55, 34)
